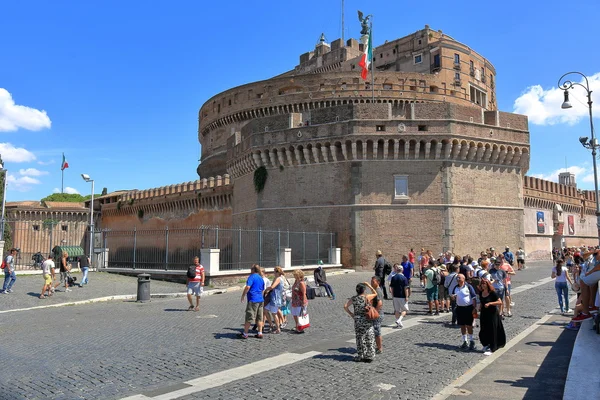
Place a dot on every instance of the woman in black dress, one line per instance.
(491, 334)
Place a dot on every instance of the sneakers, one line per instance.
(509, 314)
(10, 291)
(471, 345)
(512, 303)
(399, 325)
(487, 353)
(465, 345)
(68, 290)
(378, 351)
(3, 292)
(572, 326)
(581, 317)
(243, 335)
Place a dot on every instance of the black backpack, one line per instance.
(387, 268)
(435, 280)
(191, 272)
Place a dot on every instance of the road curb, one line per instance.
(125, 297)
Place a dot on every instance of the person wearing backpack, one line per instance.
(195, 284)
(379, 269)
(433, 279)
(8, 264)
(499, 282)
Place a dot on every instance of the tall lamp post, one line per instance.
(589, 143)
(87, 178)
(2, 221)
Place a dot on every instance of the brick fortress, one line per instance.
(422, 159)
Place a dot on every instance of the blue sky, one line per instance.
(116, 85)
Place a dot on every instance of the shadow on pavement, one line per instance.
(336, 357)
(441, 346)
(345, 350)
(549, 380)
(175, 309)
(33, 294)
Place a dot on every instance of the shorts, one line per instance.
(297, 311)
(64, 276)
(591, 279)
(500, 293)
(272, 308)
(432, 294)
(443, 293)
(521, 262)
(47, 279)
(409, 282)
(254, 312)
(377, 326)
(195, 288)
(464, 315)
(400, 304)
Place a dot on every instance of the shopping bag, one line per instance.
(303, 322)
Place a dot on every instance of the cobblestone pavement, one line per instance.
(26, 289)
(121, 348)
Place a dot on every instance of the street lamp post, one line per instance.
(2, 221)
(566, 84)
(87, 178)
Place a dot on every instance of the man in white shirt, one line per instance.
(450, 283)
(466, 311)
(47, 267)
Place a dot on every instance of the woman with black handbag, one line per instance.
(363, 314)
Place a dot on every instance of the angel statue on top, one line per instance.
(364, 23)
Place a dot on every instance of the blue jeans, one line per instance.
(562, 289)
(84, 279)
(328, 288)
(9, 279)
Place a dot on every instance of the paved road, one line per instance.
(117, 349)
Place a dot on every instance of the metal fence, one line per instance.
(31, 237)
(174, 249)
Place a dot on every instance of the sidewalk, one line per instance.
(583, 379)
(103, 286)
(535, 368)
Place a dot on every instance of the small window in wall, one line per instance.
(394, 51)
(352, 66)
(413, 88)
(433, 89)
(36, 227)
(457, 76)
(259, 95)
(423, 128)
(65, 228)
(229, 101)
(381, 55)
(419, 41)
(380, 128)
(387, 86)
(418, 58)
(343, 85)
(218, 108)
(321, 86)
(456, 58)
(400, 186)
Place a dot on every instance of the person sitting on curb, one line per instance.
(321, 280)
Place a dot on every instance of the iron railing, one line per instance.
(174, 249)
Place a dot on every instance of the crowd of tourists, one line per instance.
(48, 267)
(579, 269)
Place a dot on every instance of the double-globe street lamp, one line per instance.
(589, 143)
(87, 178)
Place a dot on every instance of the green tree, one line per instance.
(74, 198)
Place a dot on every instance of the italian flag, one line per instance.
(65, 163)
(366, 58)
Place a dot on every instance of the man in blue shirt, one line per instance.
(509, 256)
(255, 286)
(399, 288)
(407, 271)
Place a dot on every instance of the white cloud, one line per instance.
(543, 106)
(11, 153)
(68, 190)
(32, 172)
(22, 183)
(13, 116)
(46, 162)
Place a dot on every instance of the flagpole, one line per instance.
(372, 62)
(62, 174)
